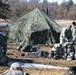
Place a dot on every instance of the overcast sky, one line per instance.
(59, 1)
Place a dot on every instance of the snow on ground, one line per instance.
(38, 66)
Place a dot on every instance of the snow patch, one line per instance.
(38, 66)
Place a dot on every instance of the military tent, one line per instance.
(35, 28)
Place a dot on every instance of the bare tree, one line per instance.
(33, 4)
(44, 5)
(53, 9)
(4, 9)
(18, 7)
(56, 11)
(72, 13)
(60, 13)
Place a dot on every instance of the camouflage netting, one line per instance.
(35, 28)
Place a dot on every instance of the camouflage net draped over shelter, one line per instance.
(35, 28)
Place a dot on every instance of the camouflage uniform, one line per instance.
(56, 52)
(74, 34)
(15, 70)
(3, 49)
(66, 35)
(21, 45)
(69, 50)
(72, 71)
(74, 29)
(3, 58)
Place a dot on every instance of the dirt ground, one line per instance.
(38, 72)
(12, 52)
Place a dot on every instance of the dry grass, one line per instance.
(64, 23)
(46, 72)
(37, 72)
(13, 53)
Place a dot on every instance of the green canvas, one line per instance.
(34, 28)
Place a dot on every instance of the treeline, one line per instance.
(65, 10)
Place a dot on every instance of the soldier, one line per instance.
(69, 50)
(21, 45)
(3, 44)
(74, 33)
(26, 48)
(3, 58)
(15, 69)
(72, 71)
(74, 29)
(66, 35)
(51, 52)
(57, 51)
